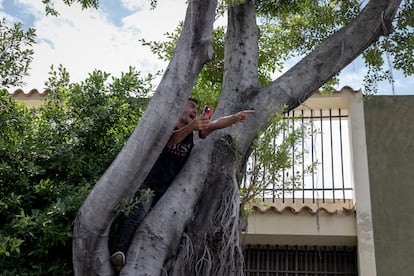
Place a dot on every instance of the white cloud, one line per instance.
(5, 15)
(353, 76)
(84, 40)
(36, 8)
(153, 24)
(402, 86)
(352, 79)
(10, 19)
(133, 5)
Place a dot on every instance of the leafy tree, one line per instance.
(51, 156)
(290, 29)
(15, 53)
(198, 216)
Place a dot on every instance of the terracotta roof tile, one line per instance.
(32, 98)
(30, 92)
(346, 207)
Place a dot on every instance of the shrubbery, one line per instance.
(51, 156)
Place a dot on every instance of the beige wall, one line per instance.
(301, 229)
(319, 227)
(33, 98)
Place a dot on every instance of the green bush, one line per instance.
(51, 156)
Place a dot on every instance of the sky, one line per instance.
(108, 39)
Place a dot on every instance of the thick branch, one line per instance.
(158, 235)
(241, 70)
(297, 84)
(241, 51)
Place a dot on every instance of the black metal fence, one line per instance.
(300, 260)
(326, 148)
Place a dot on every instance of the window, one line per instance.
(300, 260)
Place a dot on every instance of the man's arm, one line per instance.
(224, 122)
(178, 135)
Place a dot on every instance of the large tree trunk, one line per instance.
(124, 176)
(191, 211)
(211, 235)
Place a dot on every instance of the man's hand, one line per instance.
(242, 115)
(200, 122)
(224, 122)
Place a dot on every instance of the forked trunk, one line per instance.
(201, 207)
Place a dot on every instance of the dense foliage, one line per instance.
(291, 29)
(16, 53)
(51, 156)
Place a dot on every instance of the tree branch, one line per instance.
(331, 56)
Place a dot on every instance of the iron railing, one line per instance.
(300, 260)
(327, 147)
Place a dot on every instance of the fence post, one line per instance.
(362, 196)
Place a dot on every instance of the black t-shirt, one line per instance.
(169, 164)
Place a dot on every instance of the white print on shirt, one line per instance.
(179, 149)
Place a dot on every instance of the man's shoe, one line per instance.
(118, 260)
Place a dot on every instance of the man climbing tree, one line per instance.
(168, 165)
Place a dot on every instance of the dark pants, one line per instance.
(138, 213)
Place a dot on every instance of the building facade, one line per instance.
(352, 216)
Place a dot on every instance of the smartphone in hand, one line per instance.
(208, 112)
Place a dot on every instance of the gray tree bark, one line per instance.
(195, 209)
(124, 176)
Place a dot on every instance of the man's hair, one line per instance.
(193, 100)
